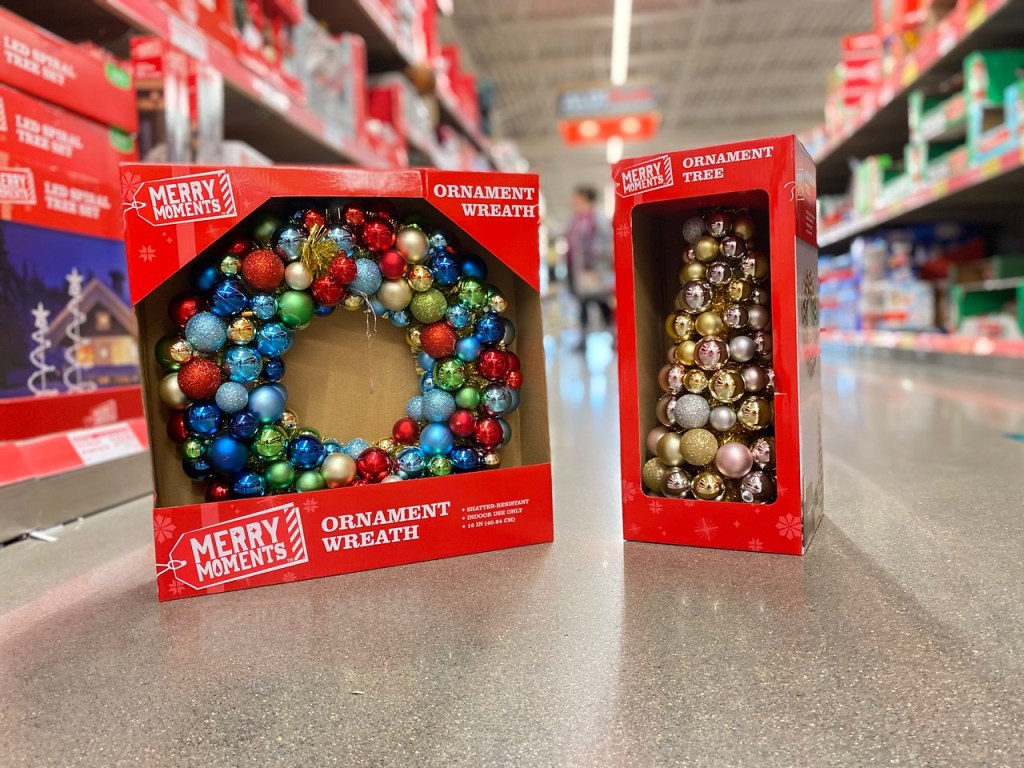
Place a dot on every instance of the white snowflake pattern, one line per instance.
(755, 545)
(789, 526)
(628, 490)
(706, 529)
(147, 253)
(655, 507)
(310, 506)
(622, 230)
(163, 528)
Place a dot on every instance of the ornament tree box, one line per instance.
(408, 419)
(717, 289)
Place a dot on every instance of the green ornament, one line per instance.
(472, 293)
(309, 481)
(428, 306)
(439, 466)
(450, 373)
(271, 442)
(468, 398)
(280, 475)
(295, 309)
(230, 264)
(172, 351)
(310, 432)
(193, 448)
(416, 220)
(263, 229)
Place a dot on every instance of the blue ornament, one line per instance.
(306, 452)
(243, 364)
(197, 469)
(249, 484)
(497, 399)
(227, 455)
(473, 266)
(506, 432)
(427, 382)
(264, 306)
(231, 397)
(342, 238)
(425, 361)
(274, 339)
(356, 446)
(410, 461)
(468, 348)
(202, 419)
(399, 318)
(288, 240)
(510, 331)
(489, 329)
(437, 440)
(280, 388)
(228, 298)
(273, 369)
(376, 307)
(243, 425)
(368, 277)
(414, 408)
(458, 316)
(465, 459)
(332, 446)
(439, 240)
(438, 405)
(267, 403)
(515, 402)
(203, 275)
(323, 310)
(445, 269)
(206, 332)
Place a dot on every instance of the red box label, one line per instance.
(199, 197)
(644, 177)
(17, 186)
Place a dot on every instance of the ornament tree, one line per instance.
(37, 381)
(72, 354)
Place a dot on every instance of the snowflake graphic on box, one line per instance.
(176, 587)
(789, 526)
(706, 529)
(655, 507)
(310, 506)
(147, 253)
(163, 528)
(755, 545)
(628, 490)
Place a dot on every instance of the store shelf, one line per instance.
(991, 24)
(989, 192)
(386, 50)
(975, 353)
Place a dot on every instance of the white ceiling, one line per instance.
(725, 70)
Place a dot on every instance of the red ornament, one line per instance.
(406, 431)
(218, 490)
(438, 340)
(492, 364)
(378, 235)
(343, 269)
(183, 308)
(374, 464)
(176, 428)
(488, 432)
(462, 423)
(327, 290)
(356, 483)
(353, 215)
(514, 379)
(392, 265)
(263, 270)
(240, 247)
(199, 378)
(380, 209)
(513, 360)
(313, 217)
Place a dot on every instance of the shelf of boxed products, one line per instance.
(982, 192)
(881, 125)
(387, 49)
(999, 354)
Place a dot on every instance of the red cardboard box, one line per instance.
(176, 213)
(86, 82)
(51, 198)
(161, 74)
(773, 179)
(34, 132)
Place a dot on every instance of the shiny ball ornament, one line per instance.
(267, 403)
(295, 308)
(199, 379)
(734, 460)
(411, 462)
(696, 296)
(271, 442)
(695, 380)
(439, 466)
(692, 411)
(762, 450)
(428, 306)
(670, 451)
(373, 465)
(465, 459)
(438, 406)
(353, 215)
(313, 218)
(467, 397)
(248, 485)
(708, 486)
(368, 277)
(228, 298)
(685, 352)
(733, 247)
(718, 273)
(243, 425)
(489, 329)
(341, 238)
(217, 490)
(462, 423)
(445, 268)
(438, 340)
(289, 421)
(488, 433)
(492, 364)
(405, 431)
(755, 413)
(412, 243)
(420, 278)
(226, 455)
(755, 379)
(735, 317)
(679, 325)
(497, 302)
(490, 460)
(719, 224)
(206, 332)
(288, 241)
(449, 374)
(273, 339)
(202, 419)
(231, 396)
(399, 318)
(675, 483)
(262, 270)
(193, 448)
(512, 359)
(665, 410)
(203, 275)
(693, 270)
(309, 481)
(694, 228)
(706, 249)
(739, 290)
(468, 348)
(688, 255)
(759, 317)
(241, 330)
(743, 226)
(172, 351)
(762, 343)
(757, 488)
(279, 475)
(395, 295)
(176, 430)
(196, 469)
(353, 302)
(306, 452)
(343, 269)
(437, 440)
(458, 316)
(327, 290)
(709, 324)
(652, 473)
(670, 378)
(378, 235)
(243, 364)
(742, 349)
(392, 265)
(506, 433)
(472, 293)
(263, 305)
(761, 296)
(698, 447)
(754, 266)
(726, 385)
(497, 399)
(473, 266)
(651, 441)
(711, 353)
(170, 393)
(183, 308)
(722, 418)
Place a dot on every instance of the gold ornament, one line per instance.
(412, 336)
(497, 303)
(230, 264)
(289, 421)
(740, 290)
(652, 474)
(743, 226)
(338, 470)
(170, 393)
(698, 447)
(420, 278)
(395, 294)
(665, 410)
(385, 444)
(241, 330)
(684, 352)
(180, 350)
(669, 451)
(352, 302)
(491, 460)
(709, 324)
(755, 413)
(412, 243)
(706, 249)
(679, 325)
(727, 384)
(708, 485)
(695, 381)
(694, 270)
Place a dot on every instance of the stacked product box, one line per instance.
(394, 100)
(840, 281)
(70, 344)
(333, 74)
(991, 81)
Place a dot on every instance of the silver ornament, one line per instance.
(742, 349)
(754, 378)
(694, 228)
(722, 418)
(288, 239)
(691, 411)
(718, 273)
(675, 483)
(757, 488)
(733, 247)
(759, 317)
(735, 316)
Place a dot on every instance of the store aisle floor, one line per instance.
(899, 639)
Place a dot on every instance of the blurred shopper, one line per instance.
(589, 259)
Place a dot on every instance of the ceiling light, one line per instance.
(622, 21)
(588, 129)
(630, 125)
(614, 150)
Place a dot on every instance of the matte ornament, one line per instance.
(170, 393)
(734, 460)
(693, 270)
(309, 481)
(295, 308)
(759, 317)
(670, 450)
(462, 423)
(392, 265)
(437, 440)
(279, 475)
(298, 276)
(267, 403)
(373, 465)
(685, 352)
(412, 243)
(227, 455)
(709, 324)
(176, 430)
(742, 349)
(262, 270)
(743, 226)
(722, 418)
(708, 486)
(698, 447)
(653, 437)
(395, 295)
(652, 473)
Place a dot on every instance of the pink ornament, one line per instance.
(734, 460)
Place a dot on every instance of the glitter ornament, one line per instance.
(428, 306)
(437, 406)
(206, 332)
(438, 340)
(652, 473)
(231, 396)
(262, 270)
(327, 290)
(694, 228)
(368, 277)
(692, 411)
(698, 447)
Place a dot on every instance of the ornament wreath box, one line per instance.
(418, 456)
(717, 285)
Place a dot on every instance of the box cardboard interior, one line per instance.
(657, 247)
(350, 374)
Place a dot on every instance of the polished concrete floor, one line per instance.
(898, 640)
